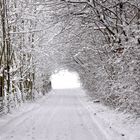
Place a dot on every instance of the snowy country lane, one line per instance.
(58, 116)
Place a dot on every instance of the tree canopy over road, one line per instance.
(98, 39)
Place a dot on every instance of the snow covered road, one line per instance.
(59, 116)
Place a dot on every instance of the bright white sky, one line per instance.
(65, 79)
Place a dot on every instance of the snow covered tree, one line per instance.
(101, 42)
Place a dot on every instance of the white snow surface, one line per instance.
(63, 115)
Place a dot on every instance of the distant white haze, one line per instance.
(65, 79)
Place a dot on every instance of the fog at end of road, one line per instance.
(65, 79)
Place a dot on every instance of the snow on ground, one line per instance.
(65, 115)
(122, 123)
